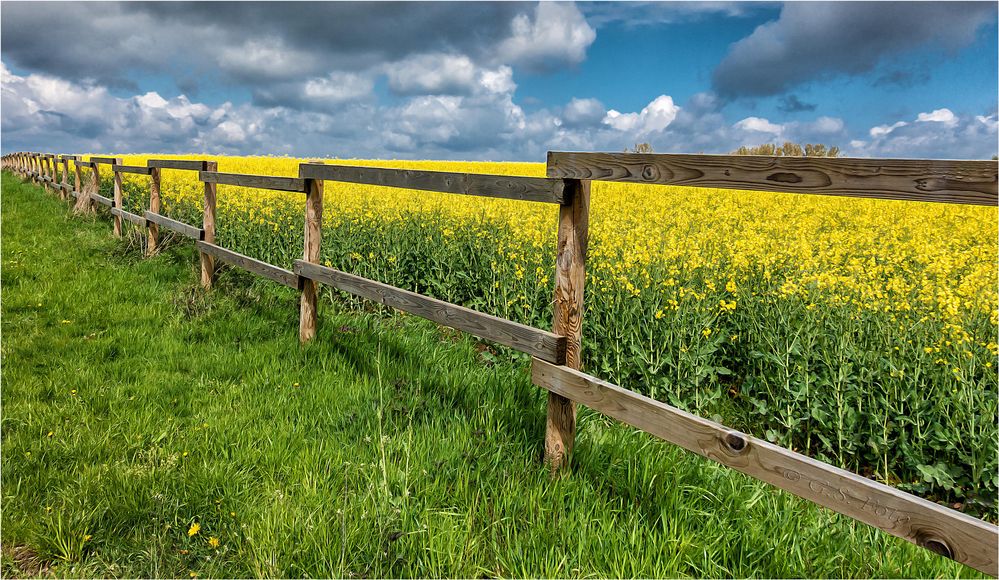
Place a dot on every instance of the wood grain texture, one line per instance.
(308, 319)
(86, 164)
(257, 181)
(131, 169)
(188, 230)
(947, 532)
(963, 182)
(102, 200)
(152, 228)
(208, 229)
(538, 343)
(280, 275)
(116, 179)
(177, 164)
(135, 219)
(521, 188)
(570, 279)
(105, 160)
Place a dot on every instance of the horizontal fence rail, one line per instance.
(294, 184)
(556, 355)
(964, 182)
(279, 275)
(539, 343)
(942, 530)
(180, 227)
(519, 188)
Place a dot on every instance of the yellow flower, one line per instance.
(213, 542)
(706, 332)
(194, 529)
(731, 287)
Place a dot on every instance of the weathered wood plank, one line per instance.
(105, 160)
(102, 200)
(258, 181)
(539, 343)
(504, 186)
(208, 228)
(84, 164)
(570, 279)
(176, 164)
(280, 275)
(134, 218)
(308, 318)
(152, 228)
(179, 227)
(131, 169)
(947, 532)
(964, 182)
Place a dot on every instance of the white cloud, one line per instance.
(583, 113)
(759, 125)
(945, 116)
(432, 74)
(268, 58)
(558, 35)
(826, 125)
(338, 87)
(882, 130)
(655, 117)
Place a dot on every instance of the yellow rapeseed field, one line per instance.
(861, 331)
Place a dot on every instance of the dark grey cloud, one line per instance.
(815, 40)
(636, 14)
(792, 104)
(251, 42)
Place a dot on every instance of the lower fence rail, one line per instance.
(947, 532)
(538, 343)
(279, 275)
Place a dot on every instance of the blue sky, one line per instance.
(500, 81)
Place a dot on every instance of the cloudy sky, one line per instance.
(499, 81)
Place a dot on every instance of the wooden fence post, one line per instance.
(152, 228)
(313, 241)
(116, 177)
(208, 225)
(570, 277)
(64, 190)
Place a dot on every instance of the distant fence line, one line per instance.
(557, 355)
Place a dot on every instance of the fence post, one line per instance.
(313, 241)
(116, 177)
(63, 191)
(570, 277)
(152, 228)
(208, 224)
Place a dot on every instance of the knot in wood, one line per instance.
(650, 173)
(735, 442)
(785, 177)
(937, 546)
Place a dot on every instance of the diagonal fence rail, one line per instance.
(557, 355)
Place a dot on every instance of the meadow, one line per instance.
(861, 332)
(153, 429)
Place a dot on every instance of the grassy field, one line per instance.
(154, 430)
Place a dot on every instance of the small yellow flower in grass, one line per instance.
(194, 574)
(194, 529)
(213, 542)
(731, 287)
(66, 321)
(232, 514)
(50, 433)
(184, 454)
(72, 392)
(87, 537)
(706, 332)
(295, 385)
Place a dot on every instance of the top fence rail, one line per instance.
(962, 182)
(510, 187)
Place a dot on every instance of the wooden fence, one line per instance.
(557, 354)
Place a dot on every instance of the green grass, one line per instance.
(135, 405)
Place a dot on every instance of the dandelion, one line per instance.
(50, 434)
(194, 529)
(213, 542)
(706, 332)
